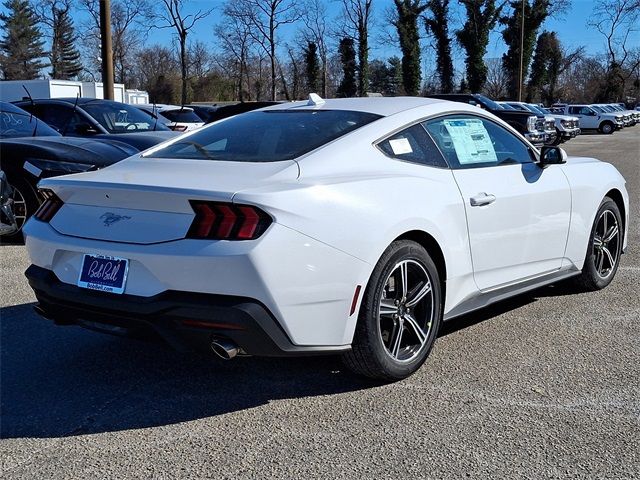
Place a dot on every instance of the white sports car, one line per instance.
(351, 226)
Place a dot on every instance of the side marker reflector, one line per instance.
(354, 302)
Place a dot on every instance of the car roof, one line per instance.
(383, 106)
(162, 107)
(11, 108)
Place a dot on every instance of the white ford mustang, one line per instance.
(352, 226)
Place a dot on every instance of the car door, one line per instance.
(586, 115)
(517, 213)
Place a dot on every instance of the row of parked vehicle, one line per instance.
(604, 117)
(44, 138)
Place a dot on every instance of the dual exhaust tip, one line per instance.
(224, 348)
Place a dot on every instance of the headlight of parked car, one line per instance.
(531, 124)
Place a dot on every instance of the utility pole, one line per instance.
(520, 76)
(107, 53)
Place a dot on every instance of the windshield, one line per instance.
(118, 117)
(266, 136)
(534, 109)
(181, 116)
(14, 125)
(489, 103)
(545, 110)
(506, 106)
(598, 108)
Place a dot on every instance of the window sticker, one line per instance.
(400, 146)
(471, 141)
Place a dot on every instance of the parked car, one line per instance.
(627, 118)
(225, 111)
(632, 114)
(346, 226)
(566, 127)
(175, 117)
(529, 125)
(8, 224)
(31, 150)
(204, 111)
(97, 118)
(592, 119)
(546, 122)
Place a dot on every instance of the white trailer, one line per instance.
(13, 90)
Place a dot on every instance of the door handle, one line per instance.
(482, 199)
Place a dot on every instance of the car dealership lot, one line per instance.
(547, 384)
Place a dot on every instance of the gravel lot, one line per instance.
(545, 385)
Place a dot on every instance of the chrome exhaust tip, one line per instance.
(223, 348)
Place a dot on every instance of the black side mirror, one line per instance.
(552, 156)
(85, 129)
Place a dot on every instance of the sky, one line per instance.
(571, 26)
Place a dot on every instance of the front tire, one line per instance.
(607, 128)
(25, 204)
(400, 314)
(605, 248)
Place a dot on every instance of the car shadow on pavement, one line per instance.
(62, 381)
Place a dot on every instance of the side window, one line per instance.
(574, 110)
(413, 145)
(585, 111)
(60, 117)
(472, 142)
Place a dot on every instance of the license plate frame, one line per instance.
(103, 273)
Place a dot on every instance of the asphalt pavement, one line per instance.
(546, 385)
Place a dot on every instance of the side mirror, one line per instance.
(552, 156)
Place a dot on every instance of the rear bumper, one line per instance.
(185, 320)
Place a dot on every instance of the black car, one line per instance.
(31, 150)
(527, 123)
(97, 118)
(212, 112)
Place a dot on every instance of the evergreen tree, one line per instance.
(312, 67)
(386, 77)
(535, 13)
(347, 87)
(482, 16)
(64, 56)
(438, 25)
(407, 26)
(21, 46)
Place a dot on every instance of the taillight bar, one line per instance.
(49, 207)
(227, 221)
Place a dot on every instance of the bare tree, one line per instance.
(357, 18)
(618, 21)
(172, 15)
(129, 27)
(315, 30)
(264, 18)
(497, 83)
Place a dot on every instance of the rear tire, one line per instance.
(25, 204)
(400, 314)
(605, 246)
(607, 128)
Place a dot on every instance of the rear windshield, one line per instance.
(182, 116)
(16, 124)
(266, 136)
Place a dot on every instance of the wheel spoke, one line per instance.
(387, 307)
(599, 261)
(609, 257)
(422, 337)
(404, 274)
(604, 219)
(597, 241)
(420, 294)
(396, 339)
(613, 231)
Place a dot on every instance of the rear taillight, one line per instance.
(50, 206)
(227, 221)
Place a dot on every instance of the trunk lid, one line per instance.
(147, 200)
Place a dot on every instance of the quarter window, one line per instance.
(413, 145)
(471, 142)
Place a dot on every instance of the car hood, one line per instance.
(89, 151)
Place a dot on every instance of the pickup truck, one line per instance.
(527, 124)
(592, 119)
(566, 127)
(633, 116)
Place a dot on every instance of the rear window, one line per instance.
(182, 116)
(266, 136)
